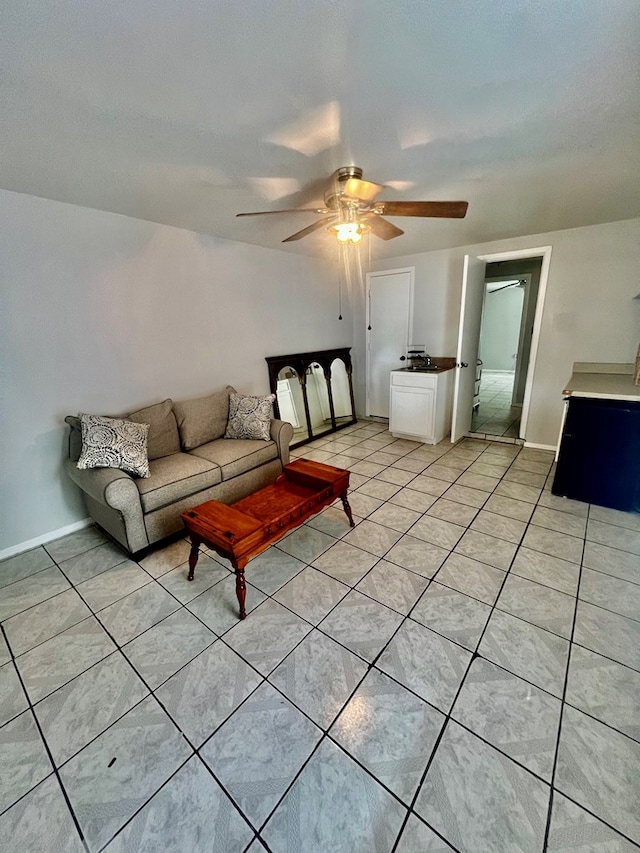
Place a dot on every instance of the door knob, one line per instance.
(403, 358)
(462, 364)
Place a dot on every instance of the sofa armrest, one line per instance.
(282, 433)
(115, 492)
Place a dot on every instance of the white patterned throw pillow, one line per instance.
(250, 417)
(114, 443)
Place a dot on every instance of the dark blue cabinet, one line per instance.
(599, 459)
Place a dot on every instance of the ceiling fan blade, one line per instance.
(291, 210)
(310, 229)
(382, 228)
(448, 209)
(363, 190)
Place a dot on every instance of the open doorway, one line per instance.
(509, 306)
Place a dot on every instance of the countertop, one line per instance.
(603, 382)
(439, 365)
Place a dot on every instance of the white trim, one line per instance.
(534, 446)
(44, 538)
(545, 253)
(378, 274)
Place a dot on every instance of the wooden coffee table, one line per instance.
(246, 528)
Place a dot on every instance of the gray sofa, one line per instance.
(190, 462)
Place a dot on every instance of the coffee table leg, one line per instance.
(241, 588)
(193, 556)
(347, 509)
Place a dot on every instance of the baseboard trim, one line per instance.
(46, 537)
(535, 446)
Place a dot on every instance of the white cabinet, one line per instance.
(420, 405)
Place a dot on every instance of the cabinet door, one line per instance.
(412, 411)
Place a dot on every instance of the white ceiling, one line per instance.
(189, 112)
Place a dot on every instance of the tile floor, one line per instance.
(459, 672)
(496, 415)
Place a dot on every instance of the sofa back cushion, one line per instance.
(163, 437)
(202, 419)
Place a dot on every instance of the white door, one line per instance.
(389, 320)
(468, 340)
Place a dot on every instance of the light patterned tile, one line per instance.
(207, 573)
(452, 614)
(429, 485)
(38, 624)
(267, 636)
(257, 752)
(426, 663)
(479, 799)
(562, 522)
(532, 653)
(630, 520)
(168, 646)
(593, 681)
(42, 821)
(166, 822)
(614, 536)
(346, 563)
(58, 660)
(201, 695)
(170, 557)
(501, 526)
(140, 752)
(574, 830)
(330, 806)
(614, 594)
(362, 625)
(444, 534)
(318, 677)
(538, 604)
(396, 517)
(272, 569)
(514, 716)
(311, 594)
(30, 591)
(112, 584)
(599, 769)
(218, 606)
(471, 577)
(418, 556)
(88, 564)
(453, 511)
(487, 549)
(133, 614)
(372, 537)
(76, 543)
(23, 757)
(393, 586)
(608, 634)
(556, 544)
(545, 569)
(611, 561)
(87, 705)
(12, 697)
(412, 499)
(509, 507)
(23, 565)
(306, 543)
(465, 495)
(520, 492)
(390, 731)
(417, 837)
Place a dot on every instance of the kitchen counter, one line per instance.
(602, 381)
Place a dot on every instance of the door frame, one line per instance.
(545, 253)
(377, 274)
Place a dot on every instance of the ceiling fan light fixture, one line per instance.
(348, 232)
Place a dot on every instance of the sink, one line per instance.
(432, 369)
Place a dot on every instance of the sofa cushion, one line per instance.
(237, 456)
(250, 417)
(202, 419)
(114, 443)
(163, 438)
(175, 477)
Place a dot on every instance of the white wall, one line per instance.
(501, 315)
(589, 311)
(103, 313)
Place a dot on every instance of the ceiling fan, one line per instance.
(351, 209)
